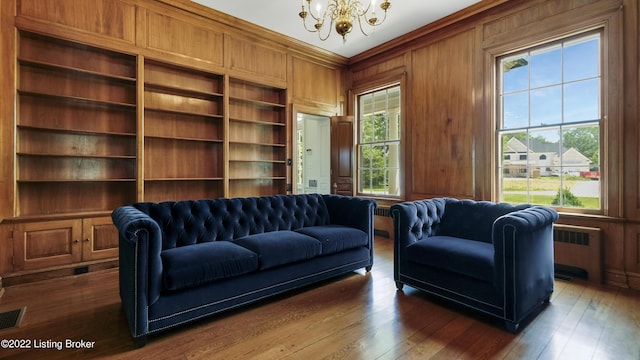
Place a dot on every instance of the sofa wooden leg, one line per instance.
(399, 285)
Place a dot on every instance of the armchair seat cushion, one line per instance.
(466, 257)
(189, 266)
(277, 248)
(336, 238)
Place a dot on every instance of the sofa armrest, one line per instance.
(140, 265)
(351, 211)
(524, 270)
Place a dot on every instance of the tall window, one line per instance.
(549, 124)
(379, 142)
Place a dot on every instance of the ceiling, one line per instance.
(282, 16)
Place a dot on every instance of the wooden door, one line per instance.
(342, 155)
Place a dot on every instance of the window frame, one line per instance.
(606, 96)
(370, 89)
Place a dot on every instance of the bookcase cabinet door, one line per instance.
(44, 244)
(99, 239)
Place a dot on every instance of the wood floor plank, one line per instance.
(357, 316)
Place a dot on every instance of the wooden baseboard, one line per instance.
(616, 278)
(57, 272)
(634, 280)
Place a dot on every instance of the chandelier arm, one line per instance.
(328, 32)
(378, 21)
(356, 5)
(309, 30)
(362, 28)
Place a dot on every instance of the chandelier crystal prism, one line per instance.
(342, 14)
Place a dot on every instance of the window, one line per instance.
(550, 109)
(379, 142)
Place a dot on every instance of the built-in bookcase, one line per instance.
(257, 139)
(183, 133)
(75, 128)
(96, 129)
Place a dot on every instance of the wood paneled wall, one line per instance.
(447, 103)
(441, 136)
(448, 114)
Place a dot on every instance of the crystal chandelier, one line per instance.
(342, 13)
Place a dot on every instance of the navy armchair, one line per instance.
(495, 258)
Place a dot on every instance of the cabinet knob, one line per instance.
(76, 241)
(86, 240)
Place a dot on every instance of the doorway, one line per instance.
(313, 154)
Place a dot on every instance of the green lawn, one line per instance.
(588, 202)
(544, 184)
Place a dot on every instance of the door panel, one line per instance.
(99, 239)
(44, 244)
(342, 155)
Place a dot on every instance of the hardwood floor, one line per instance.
(358, 316)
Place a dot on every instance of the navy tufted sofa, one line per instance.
(493, 257)
(184, 260)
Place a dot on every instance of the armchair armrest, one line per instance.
(414, 220)
(524, 269)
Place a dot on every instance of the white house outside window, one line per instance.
(379, 142)
(549, 124)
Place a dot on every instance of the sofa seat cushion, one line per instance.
(336, 238)
(193, 265)
(467, 257)
(277, 248)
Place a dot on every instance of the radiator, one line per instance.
(382, 211)
(383, 224)
(578, 251)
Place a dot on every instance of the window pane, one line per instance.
(515, 73)
(546, 67)
(515, 110)
(379, 157)
(581, 59)
(393, 181)
(364, 184)
(378, 181)
(582, 101)
(365, 156)
(582, 147)
(393, 155)
(366, 120)
(514, 145)
(394, 125)
(379, 127)
(546, 106)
